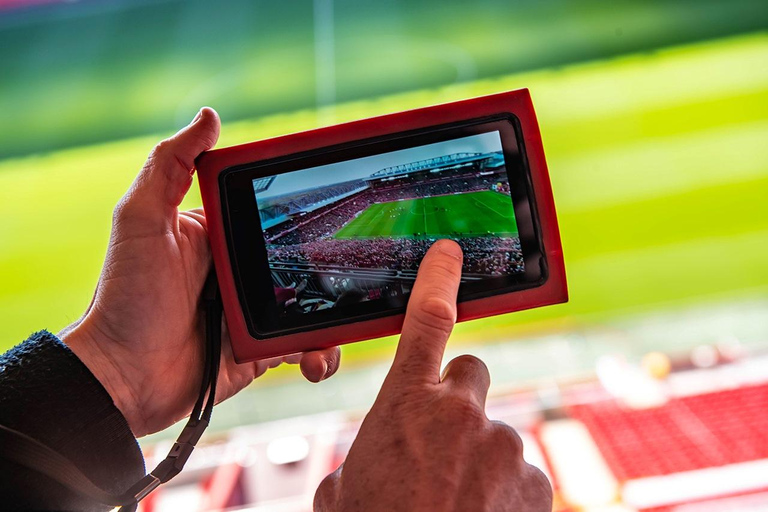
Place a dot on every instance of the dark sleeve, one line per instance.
(49, 395)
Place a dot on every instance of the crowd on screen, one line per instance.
(487, 255)
(436, 188)
(308, 238)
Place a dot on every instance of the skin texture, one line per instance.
(426, 444)
(143, 335)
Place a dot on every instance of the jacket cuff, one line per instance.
(50, 395)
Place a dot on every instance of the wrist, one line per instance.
(89, 348)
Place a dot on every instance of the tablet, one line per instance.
(317, 236)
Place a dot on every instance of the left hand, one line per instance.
(143, 334)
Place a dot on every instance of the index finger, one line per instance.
(431, 314)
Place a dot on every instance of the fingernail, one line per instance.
(451, 249)
(325, 369)
(197, 117)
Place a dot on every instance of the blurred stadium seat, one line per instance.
(687, 433)
(694, 453)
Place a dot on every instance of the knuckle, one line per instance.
(539, 486)
(164, 156)
(329, 482)
(537, 476)
(438, 310)
(436, 315)
(507, 438)
(162, 148)
(172, 157)
(327, 492)
(469, 364)
(118, 211)
(205, 139)
(121, 210)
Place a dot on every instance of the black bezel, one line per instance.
(246, 242)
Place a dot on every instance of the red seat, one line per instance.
(687, 433)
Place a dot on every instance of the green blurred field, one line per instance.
(475, 213)
(79, 72)
(658, 160)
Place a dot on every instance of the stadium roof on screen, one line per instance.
(429, 163)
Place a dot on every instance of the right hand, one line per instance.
(426, 444)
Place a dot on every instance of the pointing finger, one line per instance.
(431, 314)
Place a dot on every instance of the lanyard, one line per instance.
(26, 451)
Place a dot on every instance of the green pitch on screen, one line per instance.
(469, 214)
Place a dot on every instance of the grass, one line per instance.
(456, 215)
(658, 163)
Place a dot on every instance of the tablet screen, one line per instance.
(356, 230)
(341, 233)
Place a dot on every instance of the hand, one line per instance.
(426, 444)
(143, 334)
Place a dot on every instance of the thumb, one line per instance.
(167, 175)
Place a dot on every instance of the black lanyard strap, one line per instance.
(28, 452)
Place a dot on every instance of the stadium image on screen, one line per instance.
(356, 230)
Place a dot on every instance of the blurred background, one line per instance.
(648, 391)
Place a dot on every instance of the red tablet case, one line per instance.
(211, 163)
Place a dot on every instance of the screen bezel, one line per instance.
(245, 241)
